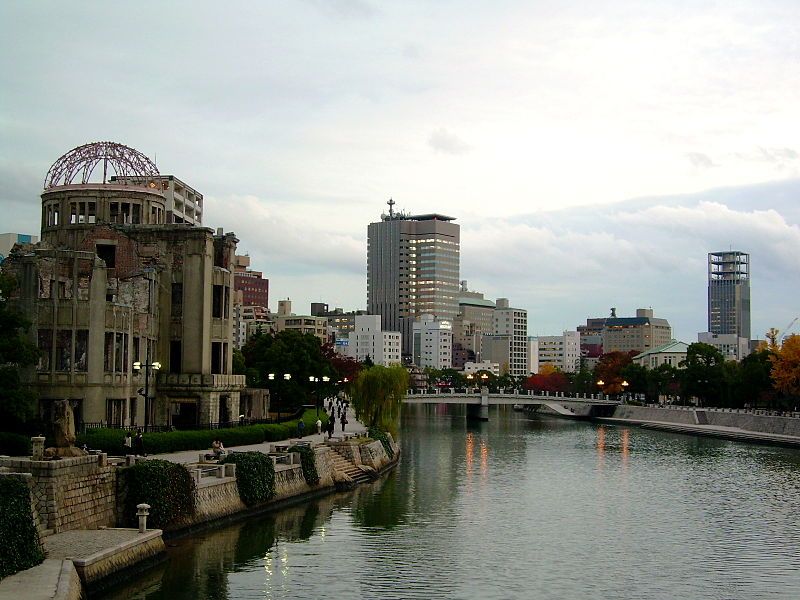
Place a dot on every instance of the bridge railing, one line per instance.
(505, 392)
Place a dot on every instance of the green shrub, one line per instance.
(255, 476)
(377, 434)
(308, 463)
(167, 487)
(14, 444)
(111, 440)
(21, 549)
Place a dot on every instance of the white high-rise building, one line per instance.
(367, 339)
(561, 351)
(433, 343)
(512, 322)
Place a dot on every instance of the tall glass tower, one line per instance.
(729, 293)
(412, 269)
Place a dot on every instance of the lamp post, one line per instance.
(312, 379)
(470, 377)
(600, 384)
(138, 366)
(624, 385)
(286, 377)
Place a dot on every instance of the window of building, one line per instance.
(45, 343)
(175, 356)
(63, 350)
(81, 349)
(217, 302)
(107, 252)
(177, 300)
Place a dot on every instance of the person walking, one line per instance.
(128, 443)
(344, 421)
(301, 428)
(331, 425)
(138, 444)
(319, 426)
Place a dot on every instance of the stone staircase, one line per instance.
(341, 464)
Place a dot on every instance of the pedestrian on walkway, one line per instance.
(128, 443)
(138, 444)
(331, 425)
(344, 421)
(301, 427)
(319, 426)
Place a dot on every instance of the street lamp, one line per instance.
(312, 379)
(286, 377)
(138, 366)
(600, 384)
(624, 385)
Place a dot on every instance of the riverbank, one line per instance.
(86, 496)
(727, 424)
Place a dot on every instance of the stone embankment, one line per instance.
(77, 502)
(740, 425)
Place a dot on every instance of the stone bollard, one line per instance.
(142, 510)
(37, 447)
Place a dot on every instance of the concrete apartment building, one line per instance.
(341, 322)
(433, 343)
(474, 319)
(533, 354)
(637, 334)
(112, 283)
(560, 351)
(368, 339)
(497, 349)
(412, 269)
(513, 322)
(252, 285)
(730, 345)
(183, 204)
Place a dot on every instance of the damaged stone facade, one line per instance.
(111, 283)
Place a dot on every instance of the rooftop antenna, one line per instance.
(391, 204)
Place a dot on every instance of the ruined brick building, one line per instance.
(112, 283)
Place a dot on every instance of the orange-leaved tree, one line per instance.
(786, 366)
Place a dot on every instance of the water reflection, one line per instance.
(507, 509)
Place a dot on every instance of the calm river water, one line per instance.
(519, 507)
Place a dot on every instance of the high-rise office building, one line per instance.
(729, 293)
(412, 269)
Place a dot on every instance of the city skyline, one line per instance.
(583, 175)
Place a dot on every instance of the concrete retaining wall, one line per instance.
(647, 413)
(759, 423)
(71, 493)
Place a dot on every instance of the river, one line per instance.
(519, 507)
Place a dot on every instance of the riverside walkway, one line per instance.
(190, 456)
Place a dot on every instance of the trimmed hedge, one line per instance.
(111, 440)
(14, 444)
(21, 549)
(255, 476)
(377, 434)
(308, 463)
(167, 487)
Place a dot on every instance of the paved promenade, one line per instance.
(191, 456)
(718, 431)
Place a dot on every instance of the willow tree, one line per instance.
(377, 394)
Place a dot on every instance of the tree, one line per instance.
(755, 379)
(662, 380)
(377, 396)
(239, 365)
(786, 366)
(17, 401)
(292, 352)
(609, 370)
(636, 376)
(552, 381)
(702, 375)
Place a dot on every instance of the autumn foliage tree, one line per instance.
(786, 366)
(548, 379)
(610, 368)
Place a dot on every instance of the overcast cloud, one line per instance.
(593, 152)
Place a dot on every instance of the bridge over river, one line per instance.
(478, 401)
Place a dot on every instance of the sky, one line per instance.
(593, 152)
